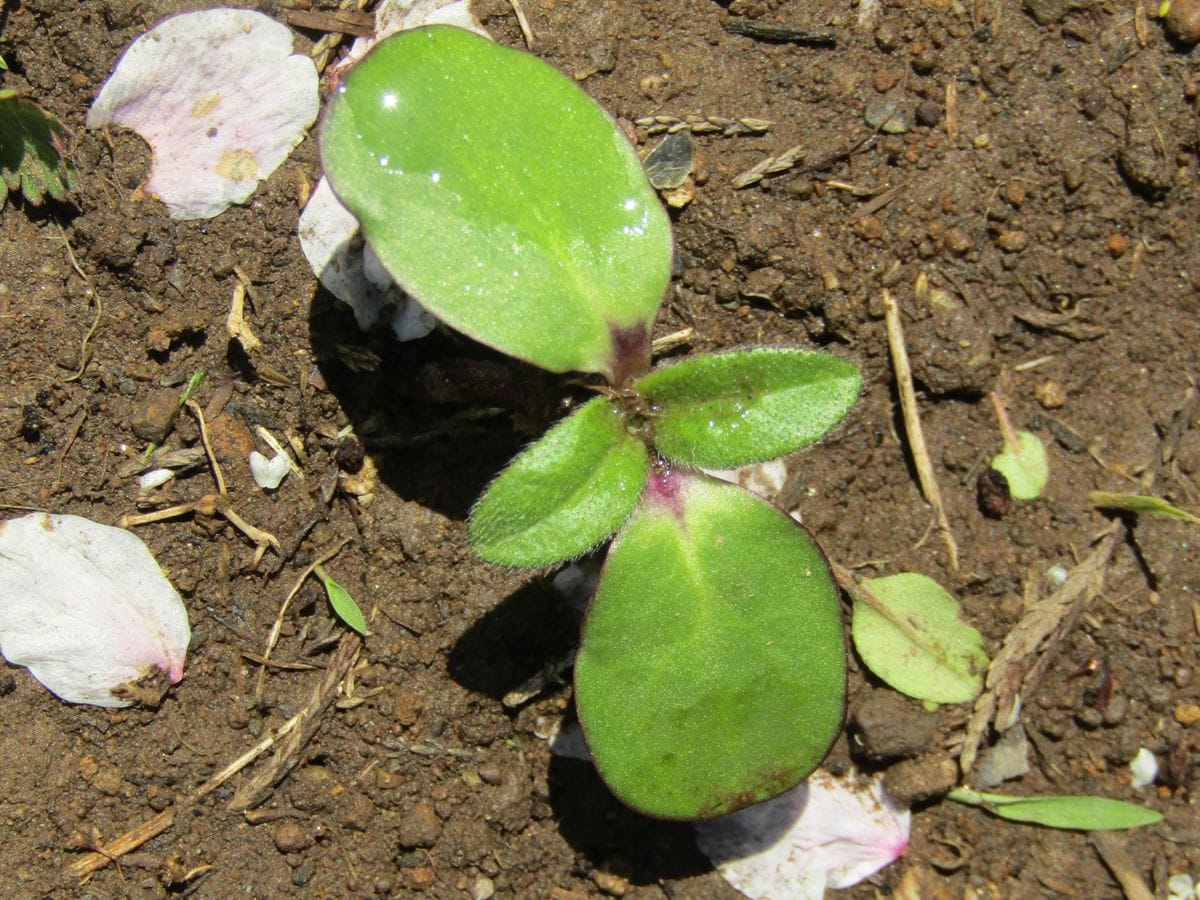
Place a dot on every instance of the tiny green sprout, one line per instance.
(343, 604)
(1141, 505)
(712, 665)
(1081, 813)
(1023, 461)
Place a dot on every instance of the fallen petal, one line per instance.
(220, 98)
(269, 473)
(346, 267)
(1144, 768)
(826, 833)
(86, 608)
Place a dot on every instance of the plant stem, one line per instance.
(1006, 430)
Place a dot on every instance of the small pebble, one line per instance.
(290, 837)
(610, 884)
(929, 113)
(1050, 394)
(869, 228)
(1089, 717)
(490, 774)
(887, 116)
(1012, 241)
(303, 874)
(1182, 21)
(1187, 714)
(1116, 244)
(1116, 710)
(483, 888)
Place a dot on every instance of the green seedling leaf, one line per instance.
(1024, 466)
(31, 152)
(712, 669)
(497, 193)
(1074, 813)
(565, 494)
(908, 631)
(732, 409)
(341, 601)
(1142, 505)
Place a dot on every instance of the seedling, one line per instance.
(1082, 813)
(32, 154)
(1022, 462)
(711, 672)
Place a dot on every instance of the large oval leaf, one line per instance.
(712, 669)
(497, 193)
(731, 409)
(563, 495)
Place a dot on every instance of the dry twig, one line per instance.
(300, 729)
(1030, 646)
(912, 424)
(273, 637)
(526, 31)
(1112, 851)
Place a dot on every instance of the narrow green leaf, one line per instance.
(502, 197)
(1074, 813)
(908, 631)
(711, 673)
(563, 495)
(1025, 467)
(343, 604)
(731, 409)
(1142, 505)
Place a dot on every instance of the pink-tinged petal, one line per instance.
(86, 608)
(826, 833)
(220, 98)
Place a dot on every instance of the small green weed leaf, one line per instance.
(732, 409)
(563, 495)
(31, 152)
(908, 631)
(1025, 467)
(343, 604)
(1142, 505)
(1075, 813)
(497, 193)
(712, 671)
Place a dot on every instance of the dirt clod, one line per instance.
(887, 726)
(419, 827)
(290, 837)
(913, 780)
(153, 418)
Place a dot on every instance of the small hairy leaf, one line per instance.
(31, 158)
(1076, 813)
(731, 409)
(497, 193)
(711, 673)
(1142, 505)
(1025, 467)
(343, 604)
(907, 630)
(563, 495)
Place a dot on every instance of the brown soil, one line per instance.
(1054, 217)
